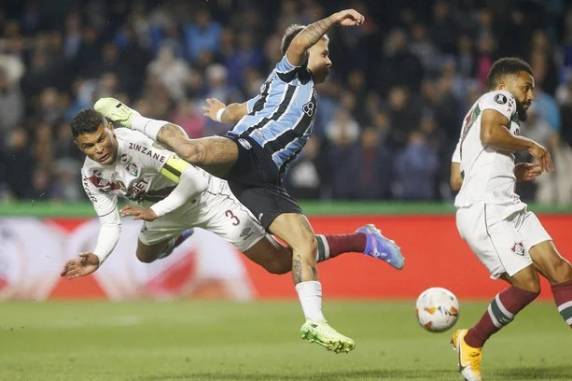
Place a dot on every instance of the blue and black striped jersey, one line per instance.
(280, 118)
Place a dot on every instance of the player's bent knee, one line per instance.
(527, 279)
(277, 267)
(193, 152)
(145, 257)
(531, 285)
(559, 271)
(307, 244)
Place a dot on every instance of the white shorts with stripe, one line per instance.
(502, 246)
(216, 210)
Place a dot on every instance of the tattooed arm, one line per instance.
(313, 32)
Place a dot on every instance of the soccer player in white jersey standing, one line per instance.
(173, 196)
(270, 131)
(509, 240)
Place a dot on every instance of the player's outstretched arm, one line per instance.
(82, 265)
(190, 183)
(312, 33)
(495, 134)
(219, 112)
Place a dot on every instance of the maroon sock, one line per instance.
(501, 311)
(563, 297)
(330, 246)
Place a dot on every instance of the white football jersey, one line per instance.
(488, 175)
(142, 169)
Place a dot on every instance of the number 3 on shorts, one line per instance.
(230, 214)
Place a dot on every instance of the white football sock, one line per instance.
(149, 127)
(310, 295)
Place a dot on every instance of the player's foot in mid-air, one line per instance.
(115, 110)
(468, 358)
(322, 333)
(381, 247)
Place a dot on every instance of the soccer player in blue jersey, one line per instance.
(270, 131)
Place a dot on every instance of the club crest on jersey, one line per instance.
(132, 169)
(518, 248)
(106, 185)
(501, 99)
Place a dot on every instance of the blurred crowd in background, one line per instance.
(388, 117)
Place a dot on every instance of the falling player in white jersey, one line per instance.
(173, 197)
(509, 240)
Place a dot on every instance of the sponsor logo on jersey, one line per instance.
(518, 248)
(501, 99)
(124, 159)
(245, 233)
(137, 189)
(244, 143)
(309, 108)
(147, 151)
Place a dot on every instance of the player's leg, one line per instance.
(277, 258)
(499, 247)
(548, 262)
(160, 237)
(367, 240)
(558, 271)
(147, 252)
(524, 288)
(295, 230)
(215, 154)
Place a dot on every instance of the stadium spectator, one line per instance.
(11, 103)
(429, 56)
(416, 169)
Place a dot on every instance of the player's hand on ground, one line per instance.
(145, 214)
(349, 17)
(527, 171)
(211, 107)
(82, 265)
(542, 156)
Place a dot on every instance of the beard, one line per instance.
(522, 111)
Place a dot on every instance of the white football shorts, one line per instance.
(216, 210)
(503, 246)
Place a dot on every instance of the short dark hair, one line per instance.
(86, 121)
(291, 32)
(504, 66)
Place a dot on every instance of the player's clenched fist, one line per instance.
(349, 17)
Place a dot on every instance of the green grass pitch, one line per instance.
(259, 341)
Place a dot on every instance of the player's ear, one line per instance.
(77, 144)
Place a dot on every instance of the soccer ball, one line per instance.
(437, 309)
